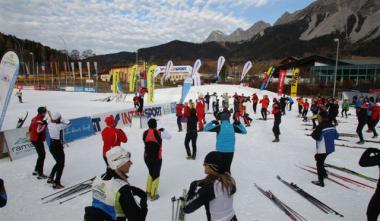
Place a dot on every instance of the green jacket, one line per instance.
(345, 105)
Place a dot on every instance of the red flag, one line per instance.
(281, 82)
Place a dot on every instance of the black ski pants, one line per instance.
(300, 109)
(344, 111)
(373, 126)
(56, 149)
(320, 158)
(227, 160)
(359, 130)
(40, 148)
(276, 128)
(254, 105)
(154, 167)
(19, 99)
(264, 113)
(304, 114)
(373, 209)
(193, 138)
(179, 122)
(290, 106)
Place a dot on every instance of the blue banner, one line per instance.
(78, 89)
(186, 88)
(79, 128)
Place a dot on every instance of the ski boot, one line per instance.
(42, 176)
(154, 198)
(50, 180)
(321, 184)
(58, 186)
(35, 173)
(276, 140)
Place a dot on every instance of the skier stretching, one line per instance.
(225, 139)
(370, 158)
(215, 191)
(276, 111)
(153, 156)
(325, 134)
(114, 199)
(264, 105)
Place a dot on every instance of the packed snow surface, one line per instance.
(256, 160)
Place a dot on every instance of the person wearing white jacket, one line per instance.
(56, 127)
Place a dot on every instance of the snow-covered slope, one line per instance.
(256, 160)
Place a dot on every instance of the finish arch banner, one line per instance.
(9, 68)
(246, 68)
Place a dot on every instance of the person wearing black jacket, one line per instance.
(114, 199)
(362, 121)
(276, 111)
(215, 107)
(3, 194)
(333, 111)
(191, 135)
(207, 101)
(283, 100)
(215, 192)
(370, 158)
(314, 110)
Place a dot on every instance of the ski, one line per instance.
(71, 198)
(352, 172)
(68, 188)
(332, 180)
(349, 146)
(71, 192)
(293, 215)
(349, 180)
(372, 141)
(21, 121)
(326, 209)
(347, 135)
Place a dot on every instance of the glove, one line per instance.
(44, 122)
(237, 122)
(161, 129)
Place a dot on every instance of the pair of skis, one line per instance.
(340, 177)
(292, 214)
(317, 203)
(342, 169)
(72, 192)
(178, 214)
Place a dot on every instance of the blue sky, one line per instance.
(108, 26)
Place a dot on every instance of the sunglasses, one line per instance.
(123, 156)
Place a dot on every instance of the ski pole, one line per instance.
(177, 210)
(173, 200)
(67, 188)
(75, 196)
(70, 192)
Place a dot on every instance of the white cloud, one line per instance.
(112, 26)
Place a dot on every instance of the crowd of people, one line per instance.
(114, 198)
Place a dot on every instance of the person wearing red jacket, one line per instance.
(186, 112)
(37, 133)
(112, 137)
(255, 100)
(179, 114)
(264, 106)
(305, 107)
(375, 116)
(200, 109)
(276, 111)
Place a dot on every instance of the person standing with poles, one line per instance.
(114, 198)
(325, 135)
(19, 95)
(56, 127)
(37, 133)
(370, 158)
(215, 191)
(191, 135)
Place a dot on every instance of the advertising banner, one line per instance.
(281, 81)
(294, 82)
(174, 69)
(221, 61)
(132, 78)
(247, 67)
(9, 68)
(186, 88)
(196, 67)
(79, 128)
(18, 143)
(73, 70)
(151, 83)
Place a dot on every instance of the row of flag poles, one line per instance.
(55, 69)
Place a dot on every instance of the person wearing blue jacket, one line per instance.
(225, 138)
(290, 102)
(3, 194)
(325, 135)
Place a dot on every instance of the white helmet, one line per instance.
(55, 116)
(117, 157)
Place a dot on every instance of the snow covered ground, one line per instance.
(256, 160)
